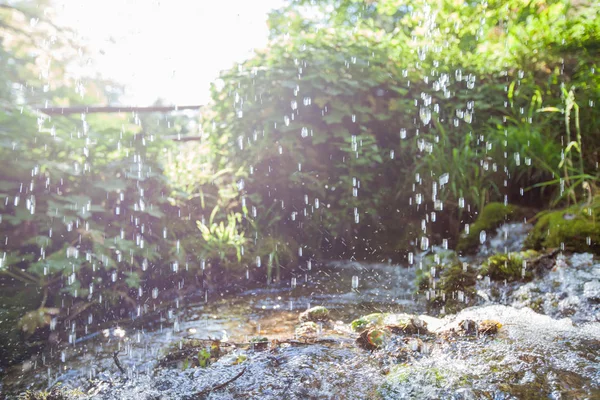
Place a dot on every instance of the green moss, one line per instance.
(453, 278)
(458, 277)
(404, 373)
(508, 266)
(56, 393)
(367, 321)
(570, 227)
(306, 329)
(318, 313)
(492, 216)
(259, 339)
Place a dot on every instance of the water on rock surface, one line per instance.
(533, 355)
(271, 312)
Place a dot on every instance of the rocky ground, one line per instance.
(531, 329)
(492, 351)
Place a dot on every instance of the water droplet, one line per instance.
(425, 115)
(482, 237)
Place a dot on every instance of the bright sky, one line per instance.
(171, 49)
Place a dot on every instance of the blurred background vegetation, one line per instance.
(363, 129)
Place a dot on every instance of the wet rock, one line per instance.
(406, 324)
(315, 314)
(163, 385)
(534, 357)
(491, 217)
(537, 357)
(372, 338)
(591, 291)
(396, 323)
(307, 330)
(568, 306)
(509, 238)
(259, 342)
(567, 290)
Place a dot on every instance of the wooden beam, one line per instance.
(119, 109)
(183, 138)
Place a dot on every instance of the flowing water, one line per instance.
(532, 354)
(348, 289)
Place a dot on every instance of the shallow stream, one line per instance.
(556, 355)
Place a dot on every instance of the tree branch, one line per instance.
(119, 109)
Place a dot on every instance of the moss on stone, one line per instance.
(404, 373)
(577, 228)
(307, 329)
(453, 289)
(508, 266)
(492, 216)
(259, 339)
(458, 277)
(318, 313)
(56, 393)
(367, 321)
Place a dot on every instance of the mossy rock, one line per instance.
(366, 321)
(307, 330)
(315, 314)
(576, 227)
(56, 393)
(403, 374)
(406, 324)
(259, 339)
(396, 323)
(489, 327)
(453, 279)
(373, 338)
(491, 217)
(458, 277)
(508, 266)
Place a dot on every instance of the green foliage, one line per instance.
(84, 199)
(571, 175)
(351, 98)
(203, 358)
(222, 242)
